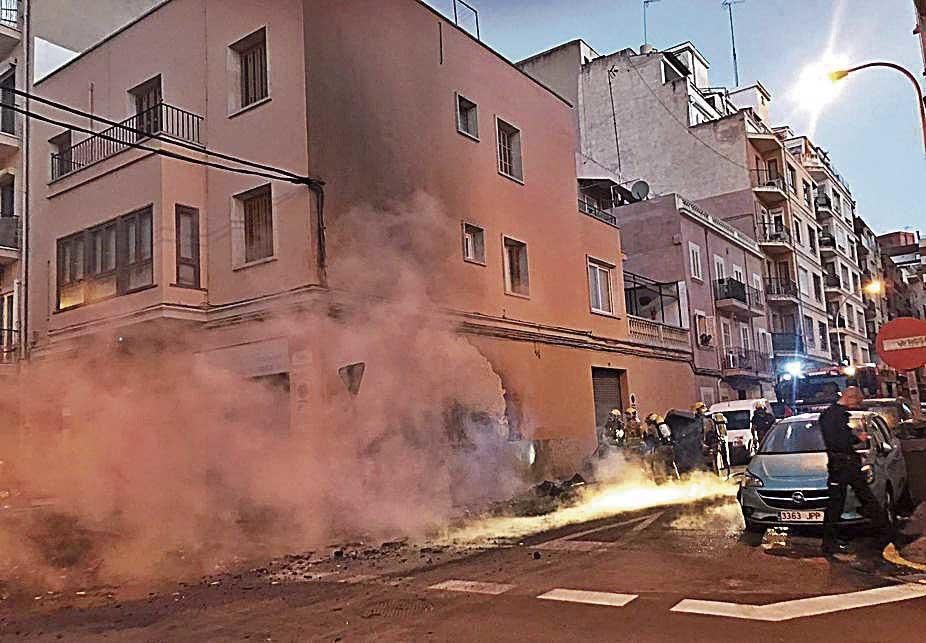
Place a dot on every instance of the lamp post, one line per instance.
(839, 74)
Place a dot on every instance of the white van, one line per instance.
(739, 428)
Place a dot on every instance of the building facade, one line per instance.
(720, 270)
(133, 243)
(654, 115)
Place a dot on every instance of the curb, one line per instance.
(891, 555)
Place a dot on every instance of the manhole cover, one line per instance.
(398, 607)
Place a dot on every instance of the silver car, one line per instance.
(785, 483)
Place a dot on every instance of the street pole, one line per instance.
(842, 73)
(729, 5)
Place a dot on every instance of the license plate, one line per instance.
(800, 516)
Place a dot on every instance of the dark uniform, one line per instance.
(762, 421)
(844, 468)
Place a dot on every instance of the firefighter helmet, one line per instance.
(655, 418)
(699, 406)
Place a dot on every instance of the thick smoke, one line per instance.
(156, 462)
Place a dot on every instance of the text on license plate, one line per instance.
(800, 516)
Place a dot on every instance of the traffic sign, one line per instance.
(902, 343)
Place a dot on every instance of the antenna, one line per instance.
(646, 3)
(729, 5)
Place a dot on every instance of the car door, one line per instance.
(889, 456)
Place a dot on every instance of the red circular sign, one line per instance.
(902, 343)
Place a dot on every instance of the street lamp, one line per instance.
(874, 287)
(839, 74)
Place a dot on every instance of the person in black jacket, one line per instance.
(844, 468)
(761, 422)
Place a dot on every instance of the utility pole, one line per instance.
(646, 3)
(729, 5)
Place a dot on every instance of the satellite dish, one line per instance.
(640, 190)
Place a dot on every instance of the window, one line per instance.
(837, 202)
(147, 99)
(808, 194)
(704, 328)
(726, 333)
(720, 267)
(694, 259)
(792, 179)
(8, 196)
(467, 117)
(7, 100)
(516, 277)
(249, 67)
(708, 396)
(745, 337)
(823, 335)
(860, 319)
(757, 282)
(474, 248)
(599, 286)
(797, 232)
(187, 226)
(817, 288)
(846, 284)
(509, 150)
(61, 154)
(257, 218)
(850, 316)
(812, 238)
(808, 332)
(738, 274)
(855, 283)
(111, 259)
(803, 279)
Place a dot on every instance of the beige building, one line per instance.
(420, 118)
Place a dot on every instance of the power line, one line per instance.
(158, 151)
(152, 135)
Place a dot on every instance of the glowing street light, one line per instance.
(874, 287)
(838, 74)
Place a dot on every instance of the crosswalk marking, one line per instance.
(803, 607)
(591, 598)
(473, 587)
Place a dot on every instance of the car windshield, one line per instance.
(780, 410)
(737, 420)
(799, 436)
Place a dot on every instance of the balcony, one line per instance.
(827, 244)
(733, 296)
(9, 240)
(594, 209)
(659, 335)
(832, 282)
(781, 290)
(768, 186)
(787, 343)
(774, 237)
(823, 206)
(742, 362)
(10, 33)
(161, 119)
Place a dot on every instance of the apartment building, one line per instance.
(843, 280)
(719, 269)
(654, 114)
(903, 256)
(529, 257)
(34, 38)
(869, 254)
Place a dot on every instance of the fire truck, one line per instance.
(815, 390)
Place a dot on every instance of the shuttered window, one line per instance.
(187, 222)
(251, 52)
(258, 224)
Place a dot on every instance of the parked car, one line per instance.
(899, 416)
(785, 483)
(739, 428)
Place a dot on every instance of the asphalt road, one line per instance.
(629, 577)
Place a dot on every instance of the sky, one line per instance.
(871, 129)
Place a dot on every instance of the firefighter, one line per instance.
(844, 469)
(761, 422)
(658, 446)
(720, 431)
(614, 428)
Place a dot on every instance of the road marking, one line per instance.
(591, 598)
(572, 542)
(473, 587)
(891, 555)
(787, 610)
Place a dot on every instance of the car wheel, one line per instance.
(890, 508)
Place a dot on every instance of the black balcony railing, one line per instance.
(744, 359)
(827, 240)
(9, 13)
(9, 232)
(787, 343)
(832, 281)
(729, 288)
(161, 119)
(756, 298)
(770, 232)
(781, 287)
(766, 179)
(593, 210)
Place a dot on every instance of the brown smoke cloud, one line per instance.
(158, 463)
